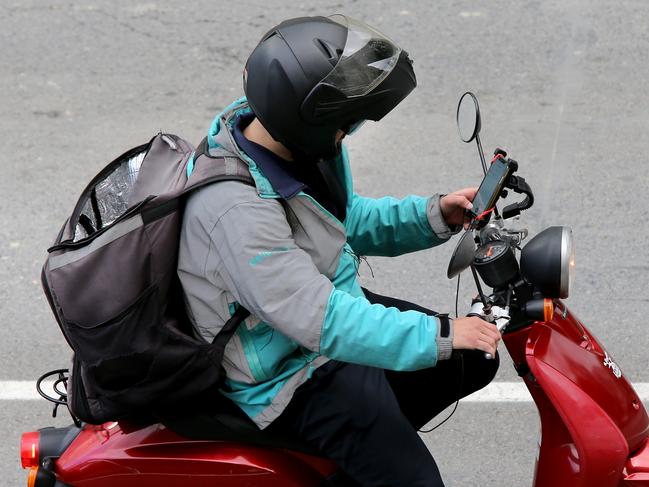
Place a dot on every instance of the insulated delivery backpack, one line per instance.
(111, 281)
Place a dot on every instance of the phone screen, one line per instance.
(490, 187)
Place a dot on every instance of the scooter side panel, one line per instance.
(593, 451)
(556, 460)
(567, 346)
(115, 454)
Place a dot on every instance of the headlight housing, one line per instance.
(548, 261)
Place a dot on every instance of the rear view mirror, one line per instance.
(462, 255)
(468, 117)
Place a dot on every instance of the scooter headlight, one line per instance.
(548, 261)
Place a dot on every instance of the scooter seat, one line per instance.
(227, 422)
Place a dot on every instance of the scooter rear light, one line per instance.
(31, 478)
(29, 456)
(548, 309)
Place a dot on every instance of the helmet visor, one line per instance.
(367, 59)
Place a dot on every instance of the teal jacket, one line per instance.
(293, 265)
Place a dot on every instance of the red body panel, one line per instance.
(126, 455)
(590, 418)
(637, 468)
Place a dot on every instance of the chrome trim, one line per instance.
(566, 250)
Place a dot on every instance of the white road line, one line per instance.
(517, 392)
(15, 390)
(20, 390)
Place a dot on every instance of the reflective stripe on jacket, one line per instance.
(294, 267)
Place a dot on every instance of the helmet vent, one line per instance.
(330, 51)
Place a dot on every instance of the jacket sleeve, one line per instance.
(253, 251)
(389, 226)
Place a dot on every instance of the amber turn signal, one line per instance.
(548, 309)
(31, 478)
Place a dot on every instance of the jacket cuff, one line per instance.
(436, 219)
(444, 337)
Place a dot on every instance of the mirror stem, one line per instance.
(485, 305)
(481, 152)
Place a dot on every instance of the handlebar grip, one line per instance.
(487, 355)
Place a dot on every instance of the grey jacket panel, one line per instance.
(322, 239)
(323, 242)
(235, 362)
(243, 244)
(226, 143)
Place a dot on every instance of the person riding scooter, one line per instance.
(339, 366)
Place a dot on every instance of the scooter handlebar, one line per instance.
(496, 315)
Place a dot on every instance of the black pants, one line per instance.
(366, 419)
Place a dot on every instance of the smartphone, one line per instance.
(491, 187)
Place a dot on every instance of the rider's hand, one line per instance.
(454, 204)
(473, 333)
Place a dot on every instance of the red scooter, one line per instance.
(594, 428)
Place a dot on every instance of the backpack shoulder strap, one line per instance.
(210, 168)
(223, 336)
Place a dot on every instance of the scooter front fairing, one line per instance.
(591, 418)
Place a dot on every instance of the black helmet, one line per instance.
(312, 76)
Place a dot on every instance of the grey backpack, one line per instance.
(111, 281)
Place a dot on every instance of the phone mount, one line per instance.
(518, 185)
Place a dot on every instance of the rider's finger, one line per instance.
(488, 327)
(492, 332)
(468, 192)
(487, 346)
(460, 200)
(489, 334)
(490, 337)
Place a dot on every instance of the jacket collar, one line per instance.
(220, 141)
(271, 165)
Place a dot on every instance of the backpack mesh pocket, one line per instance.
(109, 197)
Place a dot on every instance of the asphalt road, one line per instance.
(562, 86)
